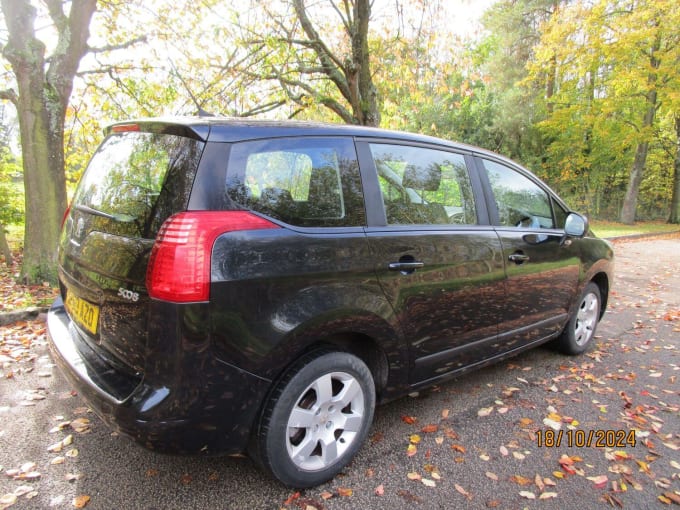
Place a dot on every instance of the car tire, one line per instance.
(580, 330)
(316, 418)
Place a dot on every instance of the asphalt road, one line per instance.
(479, 436)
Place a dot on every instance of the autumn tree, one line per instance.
(616, 71)
(514, 29)
(312, 61)
(43, 89)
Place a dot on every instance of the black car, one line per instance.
(237, 286)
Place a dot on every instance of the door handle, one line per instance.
(405, 266)
(518, 258)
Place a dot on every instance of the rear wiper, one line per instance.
(123, 218)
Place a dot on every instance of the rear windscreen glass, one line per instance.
(136, 180)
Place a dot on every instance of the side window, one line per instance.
(308, 182)
(423, 186)
(520, 201)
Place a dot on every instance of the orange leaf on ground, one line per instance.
(81, 501)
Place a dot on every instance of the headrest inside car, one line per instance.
(426, 178)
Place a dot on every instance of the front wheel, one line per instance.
(316, 419)
(580, 329)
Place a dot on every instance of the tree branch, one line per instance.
(9, 95)
(264, 108)
(121, 46)
(112, 68)
(329, 61)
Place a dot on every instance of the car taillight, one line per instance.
(179, 265)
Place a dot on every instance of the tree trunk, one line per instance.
(675, 200)
(630, 201)
(351, 76)
(43, 94)
(367, 106)
(4, 246)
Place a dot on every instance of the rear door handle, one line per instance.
(405, 266)
(518, 258)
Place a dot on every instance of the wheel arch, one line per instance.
(602, 281)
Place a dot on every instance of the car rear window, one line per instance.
(307, 182)
(136, 180)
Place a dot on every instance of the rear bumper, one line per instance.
(204, 406)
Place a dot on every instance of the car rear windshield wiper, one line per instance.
(123, 218)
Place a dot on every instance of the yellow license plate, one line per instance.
(84, 313)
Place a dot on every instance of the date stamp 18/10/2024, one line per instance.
(598, 438)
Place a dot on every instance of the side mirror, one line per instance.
(576, 225)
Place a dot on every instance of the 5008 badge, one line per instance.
(128, 294)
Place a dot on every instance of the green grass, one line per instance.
(613, 229)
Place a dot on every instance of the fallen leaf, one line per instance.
(527, 494)
(8, 500)
(81, 501)
(599, 481)
(80, 425)
(547, 495)
(428, 483)
(553, 424)
(427, 429)
(463, 491)
(413, 476)
(504, 451)
(411, 450)
(291, 499)
(539, 483)
(23, 490)
(414, 439)
(325, 495)
(491, 475)
(644, 467)
(379, 490)
(521, 480)
(345, 492)
(458, 448)
(673, 497)
(445, 413)
(485, 411)
(408, 419)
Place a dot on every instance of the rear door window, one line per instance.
(136, 180)
(424, 186)
(308, 182)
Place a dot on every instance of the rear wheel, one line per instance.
(580, 329)
(316, 419)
